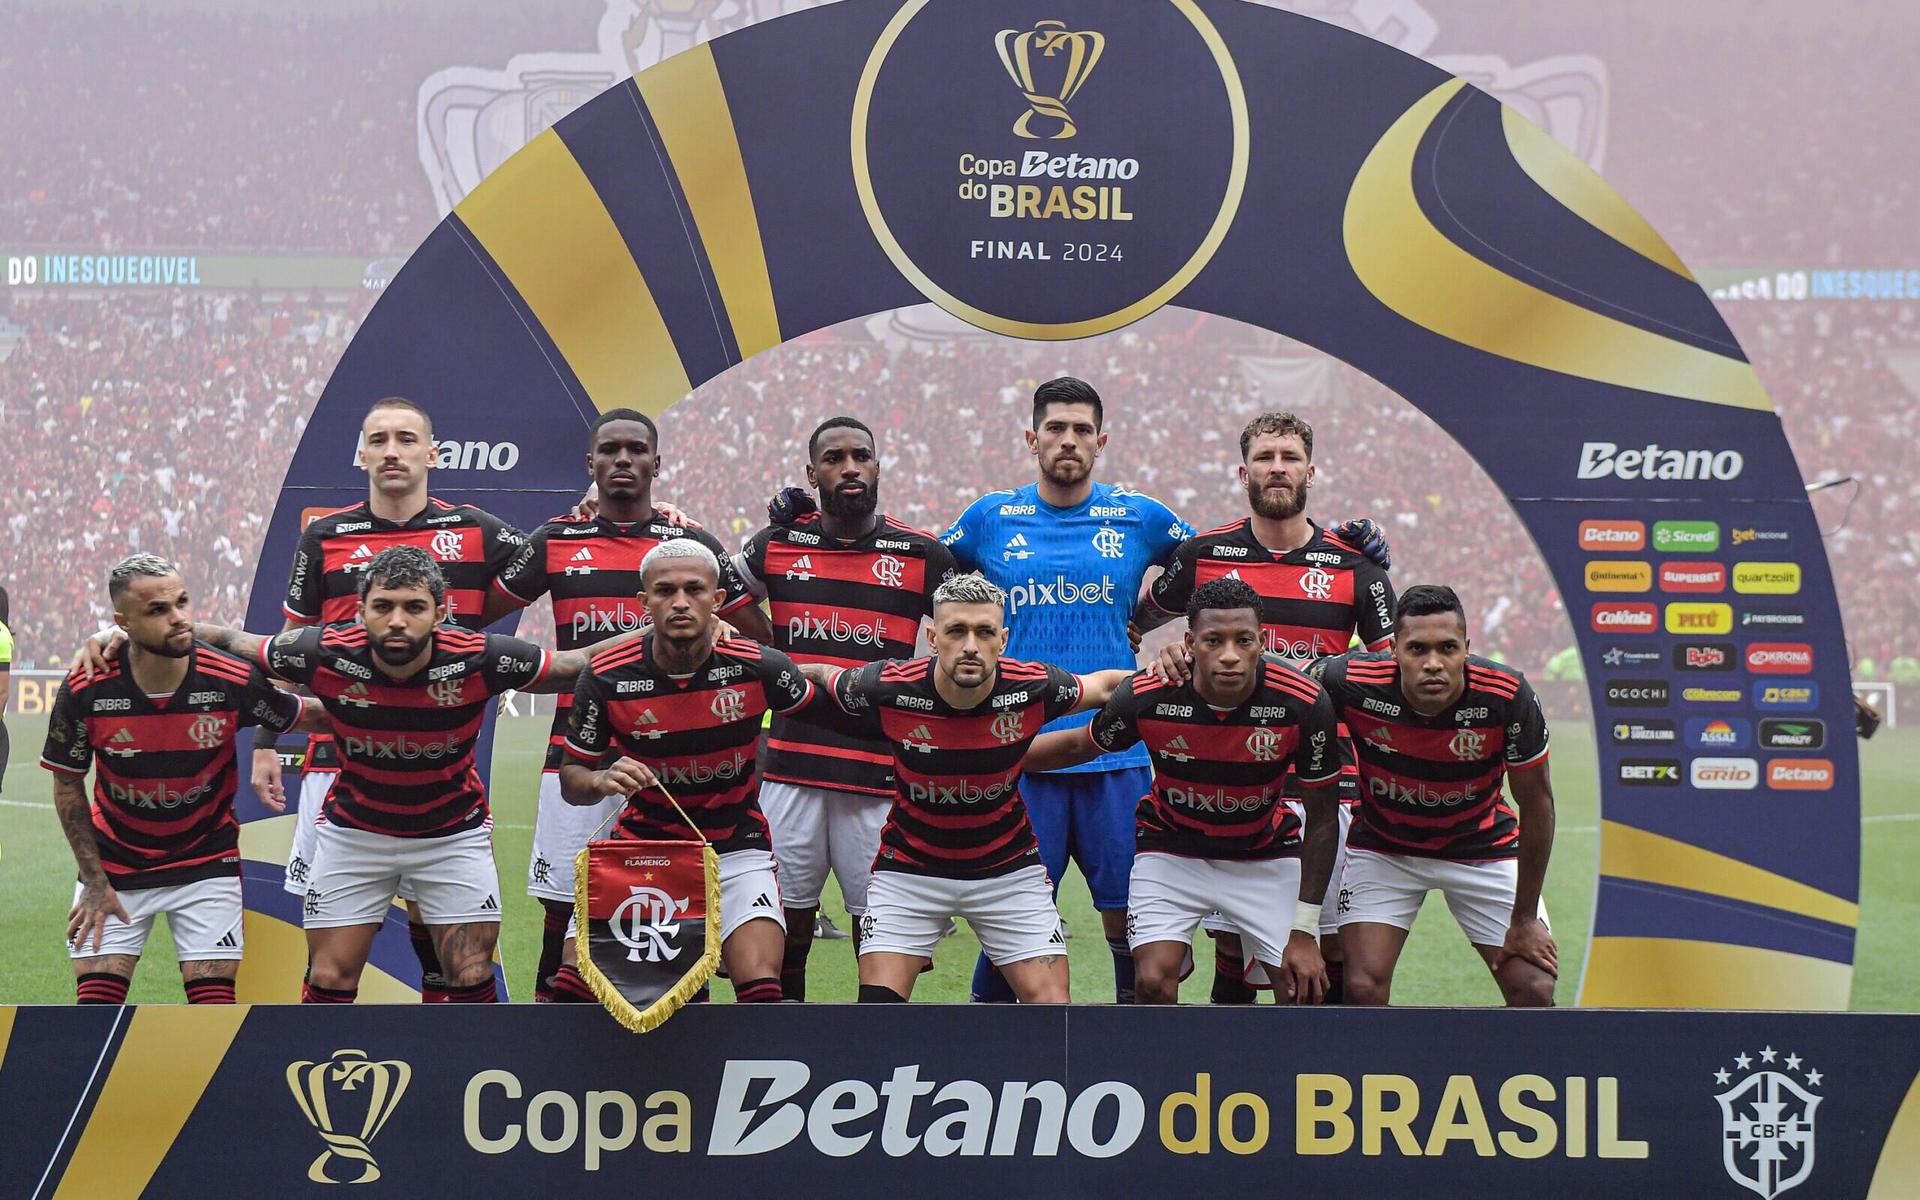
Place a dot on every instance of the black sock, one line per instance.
(1230, 978)
(793, 970)
(874, 993)
(313, 993)
(99, 987)
(1122, 970)
(484, 992)
(757, 991)
(1336, 981)
(570, 988)
(433, 985)
(553, 938)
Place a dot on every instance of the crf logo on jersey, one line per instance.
(1263, 744)
(1468, 744)
(448, 692)
(889, 570)
(729, 704)
(1316, 583)
(1110, 542)
(1007, 727)
(208, 730)
(447, 546)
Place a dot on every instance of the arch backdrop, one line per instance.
(1055, 172)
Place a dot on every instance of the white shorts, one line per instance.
(560, 833)
(314, 786)
(815, 829)
(749, 891)
(1388, 889)
(204, 916)
(1168, 894)
(1013, 915)
(1213, 922)
(356, 875)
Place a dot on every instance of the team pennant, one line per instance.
(647, 918)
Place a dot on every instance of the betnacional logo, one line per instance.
(1019, 194)
(1626, 618)
(1766, 578)
(1613, 537)
(1619, 577)
(1780, 658)
(1799, 774)
(1683, 576)
(1786, 695)
(1724, 774)
(1766, 1121)
(318, 1088)
(1699, 618)
(1743, 537)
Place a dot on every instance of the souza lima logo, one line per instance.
(347, 1083)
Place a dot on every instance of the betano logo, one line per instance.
(1699, 618)
(1799, 774)
(1619, 577)
(1766, 578)
(381, 1085)
(1616, 537)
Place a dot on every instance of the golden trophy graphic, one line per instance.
(313, 1085)
(1049, 38)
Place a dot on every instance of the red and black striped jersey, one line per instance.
(592, 569)
(471, 546)
(697, 732)
(163, 793)
(957, 811)
(1432, 785)
(1219, 775)
(844, 604)
(1313, 599)
(406, 745)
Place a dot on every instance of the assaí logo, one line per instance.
(1059, 591)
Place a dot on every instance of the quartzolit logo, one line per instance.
(347, 1123)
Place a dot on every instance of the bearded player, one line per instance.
(682, 706)
(590, 565)
(958, 841)
(1317, 593)
(1437, 731)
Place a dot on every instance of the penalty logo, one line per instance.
(1766, 1121)
(320, 1088)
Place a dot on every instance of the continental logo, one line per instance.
(1619, 577)
(317, 1088)
(1685, 617)
(1800, 774)
(1766, 578)
(1707, 695)
(1693, 577)
(1613, 537)
(1626, 618)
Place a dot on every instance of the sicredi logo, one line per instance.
(1650, 772)
(1699, 618)
(1705, 656)
(1685, 537)
(1626, 618)
(1653, 461)
(1617, 537)
(1718, 733)
(1693, 577)
(1766, 578)
(1724, 774)
(1782, 733)
(1786, 695)
(1799, 774)
(1619, 577)
(1780, 658)
(1637, 693)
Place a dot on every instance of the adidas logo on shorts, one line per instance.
(229, 942)
(761, 901)
(490, 905)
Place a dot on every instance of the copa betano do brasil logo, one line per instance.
(1016, 171)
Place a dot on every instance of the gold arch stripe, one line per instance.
(1637, 972)
(541, 221)
(1897, 1174)
(165, 1062)
(690, 109)
(6, 1031)
(1413, 269)
(1629, 853)
(1579, 188)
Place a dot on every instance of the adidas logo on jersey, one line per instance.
(364, 551)
(574, 564)
(648, 726)
(356, 695)
(1233, 574)
(1016, 548)
(1177, 750)
(921, 739)
(802, 568)
(121, 745)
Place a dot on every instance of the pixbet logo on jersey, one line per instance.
(832, 627)
(1060, 591)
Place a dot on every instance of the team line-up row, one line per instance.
(953, 720)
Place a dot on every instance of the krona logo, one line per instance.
(1601, 459)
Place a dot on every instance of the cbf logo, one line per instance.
(646, 922)
(1110, 542)
(1007, 727)
(1075, 55)
(729, 704)
(447, 546)
(208, 730)
(321, 1089)
(1766, 1122)
(1316, 584)
(889, 571)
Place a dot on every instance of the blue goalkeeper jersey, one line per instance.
(1071, 576)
